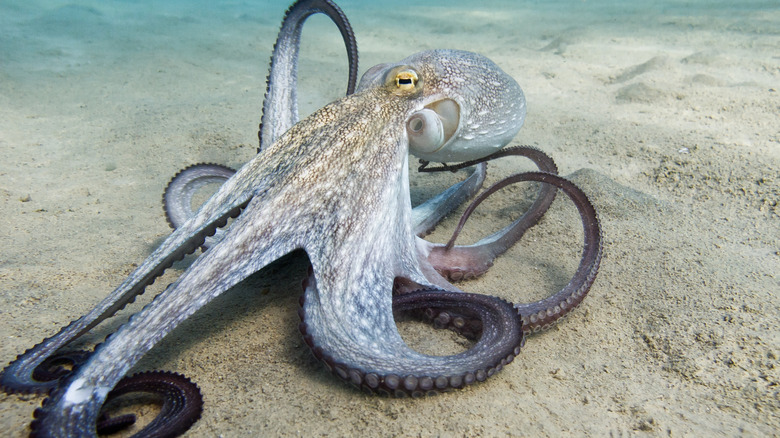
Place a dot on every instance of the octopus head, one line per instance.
(467, 107)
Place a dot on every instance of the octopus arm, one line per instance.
(543, 314)
(178, 195)
(370, 354)
(426, 215)
(280, 106)
(19, 375)
(461, 262)
(74, 406)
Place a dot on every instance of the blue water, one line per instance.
(34, 34)
(56, 37)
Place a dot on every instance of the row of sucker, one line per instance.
(404, 385)
(22, 375)
(543, 314)
(468, 326)
(540, 315)
(182, 405)
(180, 191)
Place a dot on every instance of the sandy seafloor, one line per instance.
(666, 113)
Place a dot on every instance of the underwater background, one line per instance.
(664, 112)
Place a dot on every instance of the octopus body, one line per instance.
(336, 186)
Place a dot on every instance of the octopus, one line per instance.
(335, 185)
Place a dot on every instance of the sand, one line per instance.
(665, 113)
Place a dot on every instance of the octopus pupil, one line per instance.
(417, 125)
(405, 81)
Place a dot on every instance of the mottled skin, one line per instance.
(381, 216)
(336, 186)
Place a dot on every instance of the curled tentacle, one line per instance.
(403, 372)
(181, 399)
(58, 365)
(541, 315)
(502, 240)
(463, 262)
(178, 195)
(280, 105)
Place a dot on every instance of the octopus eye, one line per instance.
(406, 80)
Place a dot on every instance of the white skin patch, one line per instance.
(78, 392)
